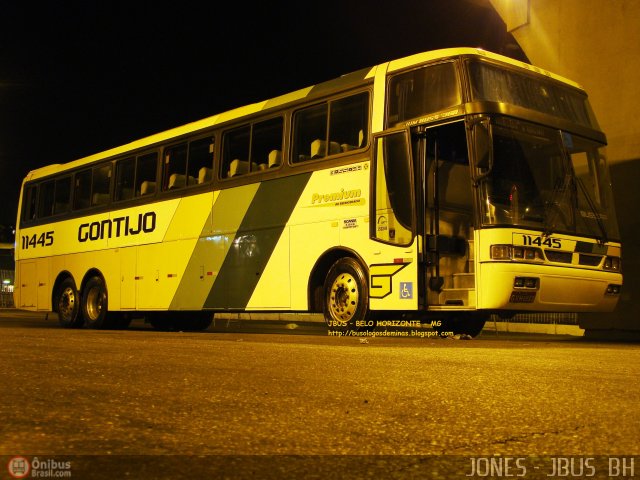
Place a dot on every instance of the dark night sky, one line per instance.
(79, 78)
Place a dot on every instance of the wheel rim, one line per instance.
(94, 303)
(67, 302)
(344, 297)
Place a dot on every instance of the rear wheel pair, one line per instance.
(90, 309)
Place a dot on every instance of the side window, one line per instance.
(200, 162)
(266, 144)
(125, 178)
(348, 121)
(62, 200)
(310, 133)
(136, 176)
(188, 164)
(29, 202)
(92, 187)
(252, 148)
(235, 152)
(45, 200)
(82, 190)
(146, 174)
(101, 188)
(175, 167)
(330, 128)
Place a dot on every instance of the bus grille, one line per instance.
(590, 260)
(555, 256)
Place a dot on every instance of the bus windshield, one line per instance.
(547, 179)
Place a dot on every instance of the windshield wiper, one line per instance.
(592, 206)
(553, 207)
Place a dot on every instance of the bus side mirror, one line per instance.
(484, 158)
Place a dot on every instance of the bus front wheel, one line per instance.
(68, 305)
(346, 297)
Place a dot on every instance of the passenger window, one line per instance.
(200, 162)
(136, 176)
(188, 164)
(125, 178)
(62, 200)
(236, 152)
(45, 200)
(175, 167)
(92, 187)
(101, 188)
(266, 144)
(252, 148)
(331, 128)
(82, 190)
(310, 133)
(146, 174)
(348, 121)
(29, 203)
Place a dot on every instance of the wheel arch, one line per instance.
(321, 269)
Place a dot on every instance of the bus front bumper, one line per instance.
(517, 286)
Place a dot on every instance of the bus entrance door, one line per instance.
(447, 216)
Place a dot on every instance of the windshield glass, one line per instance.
(547, 179)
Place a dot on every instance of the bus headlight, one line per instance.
(613, 289)
(526, 282)
(612, 263)
(501, 252)
(515, 252)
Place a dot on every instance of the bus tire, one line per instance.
(346, 297)
(95, 303)
(68, 305)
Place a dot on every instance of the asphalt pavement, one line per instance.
(269, 398)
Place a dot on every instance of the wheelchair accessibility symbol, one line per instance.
(406, 290)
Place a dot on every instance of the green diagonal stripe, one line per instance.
(255, 241)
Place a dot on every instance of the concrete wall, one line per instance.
(597, 44)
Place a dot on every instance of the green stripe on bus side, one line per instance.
(255, 241)
(229, 208)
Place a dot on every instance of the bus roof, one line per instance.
(352, 79)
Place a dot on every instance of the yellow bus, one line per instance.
(442, 187)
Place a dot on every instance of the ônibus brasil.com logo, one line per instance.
(20, 467)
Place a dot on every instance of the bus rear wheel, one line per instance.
(94, 303)
(68, 305)
(346, 297)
